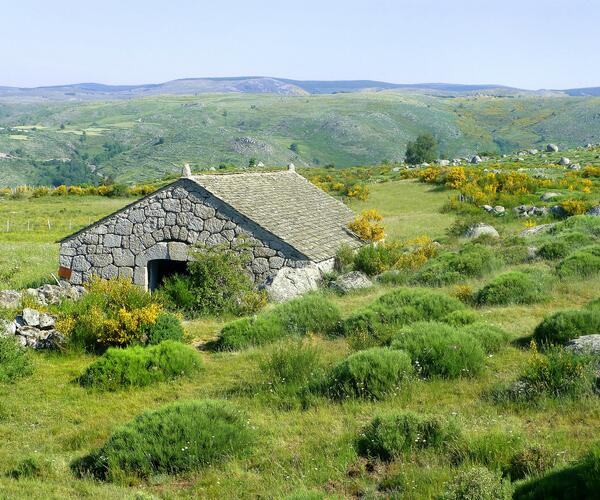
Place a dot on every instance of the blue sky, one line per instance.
(526, 43)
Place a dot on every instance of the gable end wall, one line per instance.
(163, 226)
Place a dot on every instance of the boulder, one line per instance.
(533, 151)
(550, 195)
(499, 210)
(10, 299)
(534, 231)
(476, 159)
(551, 148)
(7, 327)
(290, 282)
(575, 166)
(558, 211)
(477, 230)
(595, 211)
(586, 344)
(31, 317)
(354, 280)
(46, 321)
(564, 161)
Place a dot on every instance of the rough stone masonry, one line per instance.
(290, 226)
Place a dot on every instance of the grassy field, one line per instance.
(50, 418)
(155, 135)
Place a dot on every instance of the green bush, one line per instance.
(292, 362)
(585, 224)
(471, 261)
(494, 450)
(166, 327)
(139, 366)
(387, 436)
(478, 483)
(179, 437)
(554, 250)
(375, 259)
(14, 360)
(461, 317)
(532, 460)
(438, 349)
(584, 263)
(344, 259)
(491, 338)
(310, 313)
(563, 326)
(30, 467)
(400, 307)
(557, 374)
(371, 374)
(512, 287)
(580, 480)
(218, 282)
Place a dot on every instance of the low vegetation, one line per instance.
(15, 361)
(176, 438)
(139, 366)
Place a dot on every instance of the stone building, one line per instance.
(292, 227)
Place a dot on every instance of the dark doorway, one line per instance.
(159, 269)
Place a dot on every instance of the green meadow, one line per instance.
(302, 451)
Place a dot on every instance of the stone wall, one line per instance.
(163, 226)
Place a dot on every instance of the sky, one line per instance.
(529, 44)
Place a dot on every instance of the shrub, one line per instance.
(14, 360)
(554, 250)
(491, 338)
(441, 350)
(310, 313)
(579, 480)
(563, 326)
(247, 332)
(179, 437)
(166, 327)
(344, 258)
(585, 224)
(140, 366)
(113, 312)
(178, 293)
(512, 287)
(387, 436)
(292, 362)
(558, 374)
(532, 460)
(218, 283)
(472, 260)
(478, 483)
(493, 450)
(381, 318)
(29, 468)
(376, 259)
(461, 317)
(584, 263)
(371, 374)
(367, 225)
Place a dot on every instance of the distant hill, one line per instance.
(131, 140)
(251, 85)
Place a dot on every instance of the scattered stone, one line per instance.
(354, 280)
(534, 231)
(575, 166)
(595, 211)
(551, 148)
(533, 151)
(564, 161)
(499, 210)
(550, 196)
(477, 230)
(31, 317)
(586, 344)
(476, 159)
(558, 211)
(10, 299)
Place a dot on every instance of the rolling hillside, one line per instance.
(144, 138)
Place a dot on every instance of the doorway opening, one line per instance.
(160, 269)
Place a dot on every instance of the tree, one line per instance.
(252, 162)
(294, 147)
(423, 149)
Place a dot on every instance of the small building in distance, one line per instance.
(292, 227)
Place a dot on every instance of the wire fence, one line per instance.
(55, 225)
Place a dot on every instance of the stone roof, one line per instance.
(288, 206)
